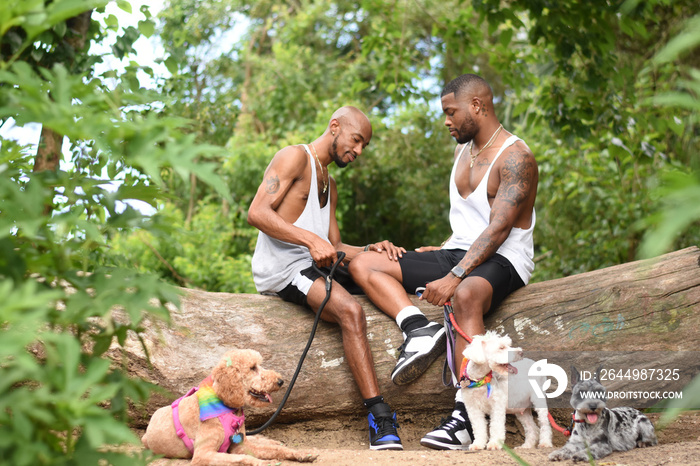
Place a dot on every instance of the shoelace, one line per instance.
(451, 423)
(386, 426)
(402, 348)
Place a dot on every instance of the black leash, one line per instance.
(329, 282)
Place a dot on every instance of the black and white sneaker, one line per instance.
(452, 434)
(420, 348)
(382, 429)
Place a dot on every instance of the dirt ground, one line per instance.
(344, 442)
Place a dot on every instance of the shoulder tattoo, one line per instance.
(519, 171)
(272, 184)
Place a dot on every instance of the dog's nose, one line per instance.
(280, 382)
(594, 405)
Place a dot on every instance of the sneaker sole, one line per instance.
(386, 447)
(414, 368)
(437, 445)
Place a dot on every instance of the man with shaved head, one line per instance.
(488, 256)
(294, 209)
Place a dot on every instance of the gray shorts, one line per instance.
(420, 268)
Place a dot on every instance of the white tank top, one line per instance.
(470, 216)
(275, 262)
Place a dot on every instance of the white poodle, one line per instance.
(494, 381)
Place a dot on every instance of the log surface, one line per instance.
(650, 305)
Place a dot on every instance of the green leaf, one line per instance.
(60, 29)
(111, 21)
(676, 125)
(124, 5)
(683, 42)
(172, 64)
(57, 12)
(147, 27)
(505, 37)
(689, 401)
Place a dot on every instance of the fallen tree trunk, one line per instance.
(650, 305)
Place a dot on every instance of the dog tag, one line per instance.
(237, 438)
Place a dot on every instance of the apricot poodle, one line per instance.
(208, 424)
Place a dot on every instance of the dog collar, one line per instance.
(574, 421)
(485, 380)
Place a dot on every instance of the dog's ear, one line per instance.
(575, 376)
(221, 372)
(475, 351)
(228, 383)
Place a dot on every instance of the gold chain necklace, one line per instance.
(486, 146)
(323, 178)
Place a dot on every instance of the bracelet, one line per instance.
(367, 247)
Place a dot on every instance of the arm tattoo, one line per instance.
(516, 179)
(272, 184)
(479, 252)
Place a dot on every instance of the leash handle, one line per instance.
(329, 282)
(329, 277)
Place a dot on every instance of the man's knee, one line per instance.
(365, 267)
(469, 300)
(351, 317)
(359, 267)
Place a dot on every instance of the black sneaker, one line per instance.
(452, 434)
(382, 429)
(420, 348)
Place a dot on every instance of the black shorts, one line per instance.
(296, 291)
(420, 268)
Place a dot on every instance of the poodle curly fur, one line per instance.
(492, 353)
(239, 380)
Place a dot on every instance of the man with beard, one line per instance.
(489, 254)
(294, 209)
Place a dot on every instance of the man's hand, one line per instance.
(427, 248)
(440, 291)
(323, 253)
(393, 252)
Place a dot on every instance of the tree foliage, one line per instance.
(678, 187)
(66, 301)
(573, 79)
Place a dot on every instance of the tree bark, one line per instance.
(650, 305)
(48, 152)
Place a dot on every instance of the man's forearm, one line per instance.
(350, 251)
(482, 249)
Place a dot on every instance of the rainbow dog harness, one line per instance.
(210, 406)
(485, 380)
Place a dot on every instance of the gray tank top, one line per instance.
(275, 262)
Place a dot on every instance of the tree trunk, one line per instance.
(48, 152)
(649, 305)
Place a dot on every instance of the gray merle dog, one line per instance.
(599, 429)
